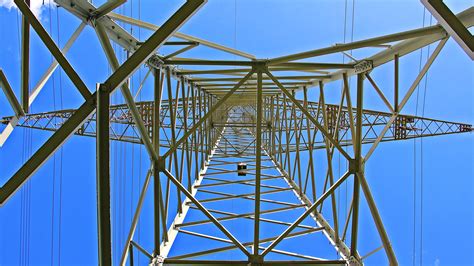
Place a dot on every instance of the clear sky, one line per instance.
(53, 219)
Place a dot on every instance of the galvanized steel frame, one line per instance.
(247, 113)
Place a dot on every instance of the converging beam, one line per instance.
(207, 115)
(216, 117)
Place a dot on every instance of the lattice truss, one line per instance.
(122, 127)
(208, 120)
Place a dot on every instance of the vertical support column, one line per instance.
(130, 252)
(272, 124)
(395, 101)
(297, 164)
(287, 135)
(204, 136)
(360, 175)
(258, 168)
(103, 175)
(207, 106)
(185, 102)
(25, 62)
(329, 155)
(195, 113)
(210, 126)
(310, 145)
(280, 131)
(266, 118)
(172, 114)
(357, 167)
(156, 170)
(202, 127)
(293, 125)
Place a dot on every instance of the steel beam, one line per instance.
(25, 61)
(196, 122)
(313, 120)
(158, 92)
(53, 48)
(308, 211)
(408, 94)
(434, 33)
(357, 44)
(49, 72)
(107, 7)
(387, 245)
(147, 49)
(180, 51)
(300, 77)
(357, 165)
(205, 211)
(7, 89)
(452, 25)
(207, 115)
(396, 61)
(136, 216)
(86, 109)
(47, 149)
(258, 170)
(103, 176)
(172, 233)
(190, 38)
(114, 63)
(338, 244)
(380, 93)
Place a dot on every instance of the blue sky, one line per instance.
(266, 29)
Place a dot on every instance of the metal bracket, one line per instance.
(363, 66)
(157, 261)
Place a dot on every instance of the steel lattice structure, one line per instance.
(212, 119)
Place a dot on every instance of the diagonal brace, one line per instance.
(206, 116)
(53, 48)
(205, 211)
(87, 108)
(305, 111)
(7, 89)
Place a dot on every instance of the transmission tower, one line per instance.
(232, 147)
